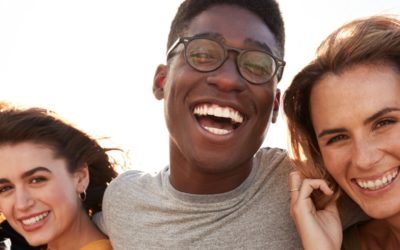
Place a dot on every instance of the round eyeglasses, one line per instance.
(206, 55)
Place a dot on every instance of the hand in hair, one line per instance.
(318, 229)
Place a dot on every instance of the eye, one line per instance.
(255, 69)
(384, 122)
(201, 57)
(204, 59)
(4, 189)
(37, 180)
(336, 139)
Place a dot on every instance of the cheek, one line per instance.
(175, 91)
(335, 163)
(265, 105)
(61, 195)
(392, 143)
(263, 96)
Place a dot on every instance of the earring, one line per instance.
(82, 196)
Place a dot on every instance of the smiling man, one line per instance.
(220, 190)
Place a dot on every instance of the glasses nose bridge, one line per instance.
(228, 49)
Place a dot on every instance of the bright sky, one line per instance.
(93, 61)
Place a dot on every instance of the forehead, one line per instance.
(359, 80)
(235, 24)
(360, 90)
(23, 156)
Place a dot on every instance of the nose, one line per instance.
(366, 154)
(23, 199)
(227, 77)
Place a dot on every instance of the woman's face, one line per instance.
(38, 196)
(356, 117)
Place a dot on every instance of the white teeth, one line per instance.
(217, 111)
(217, 131)
(35, 219)
(378, 183)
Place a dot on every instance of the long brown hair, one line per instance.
(372, 40)
(42, 126)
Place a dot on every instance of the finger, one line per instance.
(303, 204)
(309, 185)
(332, 207)
(295, 180)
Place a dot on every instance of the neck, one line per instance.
(380, 234)
(205, 179)
(394, 225)
(80, 233)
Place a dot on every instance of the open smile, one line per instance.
(218, 120)
(378, 183)
(35, 219)
(33, 222)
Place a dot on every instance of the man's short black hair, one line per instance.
(267, 10)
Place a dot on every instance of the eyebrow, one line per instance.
(380, 113)
(27, 174)
(366, 121)
(220, 37)
(209, 34)
(262, 45)
(331, 131)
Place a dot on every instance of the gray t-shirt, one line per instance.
(143, 211)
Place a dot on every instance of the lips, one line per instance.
(218, 120)
(378, 183)
(34, 222)
(34, 219)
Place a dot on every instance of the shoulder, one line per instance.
(98, 245)
(273, 158)
(271, 167)
(132, 178)
(272, 153)
(130, 191)
(132, 183)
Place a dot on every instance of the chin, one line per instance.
(382, 213)
(36, 241)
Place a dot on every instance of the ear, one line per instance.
(81, 176)
(159, 81)
(275, 110)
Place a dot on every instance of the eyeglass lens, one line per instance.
(207, 55)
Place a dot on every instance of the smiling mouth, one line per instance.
(216, 119)
(380, 182)
(34, 219)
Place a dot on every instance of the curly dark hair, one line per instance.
(267, 10)
(42, 126)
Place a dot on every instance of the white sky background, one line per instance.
(93, 61)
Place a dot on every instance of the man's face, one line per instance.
(217, 120)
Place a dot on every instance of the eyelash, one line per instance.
(336, 139)
(5, 189)
(38, 179)
(34, 181)
(378, 124)
(384, 122)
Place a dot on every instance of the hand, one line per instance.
(318, 229)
